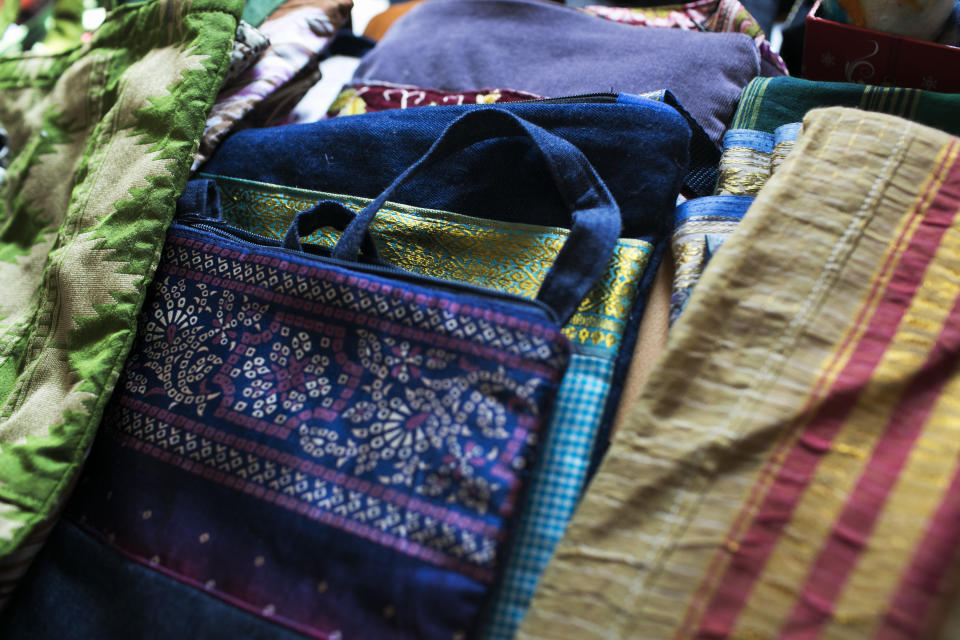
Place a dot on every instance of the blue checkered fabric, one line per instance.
(555, 490)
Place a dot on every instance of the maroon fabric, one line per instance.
(367, 98)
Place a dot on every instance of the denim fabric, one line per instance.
(594, 218)
(80, 589)
(368, 98)
(556, 51)
(639, 150)
(622, 141)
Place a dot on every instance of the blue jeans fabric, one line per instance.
(640, 150)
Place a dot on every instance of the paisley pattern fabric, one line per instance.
(381, 431)
(100, 142)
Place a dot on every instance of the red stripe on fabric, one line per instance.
(770, 468)
(817, 392)
(801, 461)
(926, 577)
(852, 530)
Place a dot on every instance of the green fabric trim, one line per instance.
(768, 103)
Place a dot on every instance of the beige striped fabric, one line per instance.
(791, 466)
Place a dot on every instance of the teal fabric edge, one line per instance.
(554, 492)
(255, 12)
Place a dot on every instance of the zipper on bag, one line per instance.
(601, 97)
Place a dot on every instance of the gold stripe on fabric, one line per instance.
(743, 171)
(774, 596)
(920, 489)
(738, 367)
(915, 96)
(885, 97)
(829, 371)
(780, 152)
(750, 102)
(509, 257)
(904, 102)
(689, 248)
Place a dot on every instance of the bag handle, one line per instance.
(326, 213)
(595, 216)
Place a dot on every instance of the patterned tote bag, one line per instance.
(330, 443)
(511, 257)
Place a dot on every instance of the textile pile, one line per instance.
(499, 319)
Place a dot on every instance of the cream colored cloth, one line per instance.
(650, 343)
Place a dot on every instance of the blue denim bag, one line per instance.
(639, 148)
(331, 444)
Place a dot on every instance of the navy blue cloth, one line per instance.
(326, 213)
(79, 588)
(639, 150)
(554, 51)
(335, 449)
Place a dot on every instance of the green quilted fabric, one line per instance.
(101, 138)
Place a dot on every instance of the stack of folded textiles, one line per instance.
(549, 322)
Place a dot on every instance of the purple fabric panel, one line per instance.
(554, 51)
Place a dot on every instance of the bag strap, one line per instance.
(326, 213)
(595, 216)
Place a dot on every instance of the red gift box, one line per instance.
(839, 52)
